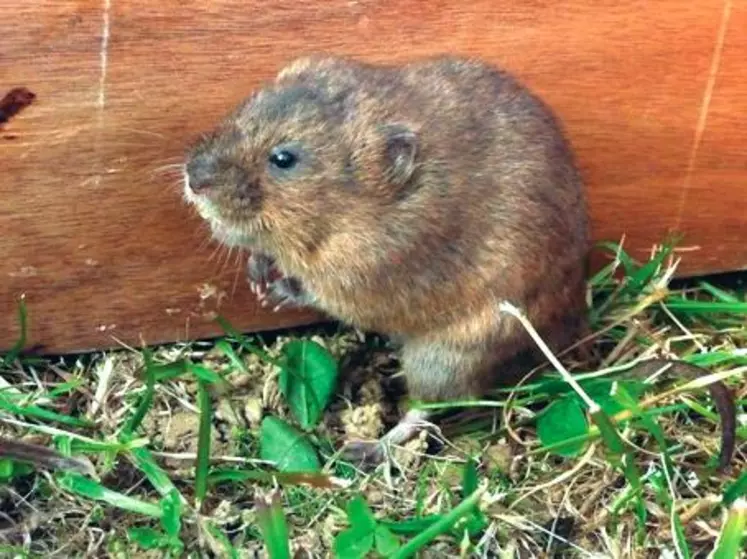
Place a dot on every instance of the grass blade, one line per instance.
(720, 294)
(232, 356)
(205, 375)
(244, 343)
(15, 351)
(705, 307)
(203, 444)
(93, 490)
(282, 478)
(171, 505)
(219, 540)
(146, 400)
(41, 413)
(729, 544)
(736, 490)
(442, 526)
(169, 371)
(159, 479)
(274, 527)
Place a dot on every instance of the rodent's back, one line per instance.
(496, 209)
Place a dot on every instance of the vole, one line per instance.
(409, 200)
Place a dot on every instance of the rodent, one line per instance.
(409, 200)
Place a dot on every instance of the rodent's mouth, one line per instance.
(228, 231)
(231, 236)
(225, 230)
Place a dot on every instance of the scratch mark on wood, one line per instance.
(104, 54)
(103, 66)
(705, 106)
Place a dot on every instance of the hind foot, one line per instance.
(369, 454)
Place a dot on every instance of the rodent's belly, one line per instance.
(393, 313)
(375, 318)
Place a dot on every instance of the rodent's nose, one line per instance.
(201, 171)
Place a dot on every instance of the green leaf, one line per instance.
(353, 544)
(563, 419)
(286, 447)
(386, 542)
(274, 528)
(146, 538)
(600, 392)
(360, 515)
(358, 540)
(307, 380)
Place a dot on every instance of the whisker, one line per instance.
(168, 168)
(239, 254)
(227, 260)
(143, 132)
(204, 243)
(218, 248)
(236, 276)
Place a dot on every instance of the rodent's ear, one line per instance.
(401, 150)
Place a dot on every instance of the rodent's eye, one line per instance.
(283, 158)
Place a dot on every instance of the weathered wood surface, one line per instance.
(653, 94)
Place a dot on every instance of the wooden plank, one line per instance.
(99, 241)
(713, 202)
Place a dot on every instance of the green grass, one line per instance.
(183, 438)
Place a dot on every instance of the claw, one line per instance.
(281, 305)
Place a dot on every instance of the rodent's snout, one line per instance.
(201, 171)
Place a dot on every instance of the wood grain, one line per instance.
(713, 200)
(94, 231)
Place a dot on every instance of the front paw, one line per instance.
(282, 293)
(260, 271)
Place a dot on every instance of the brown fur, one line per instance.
(490, 208)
